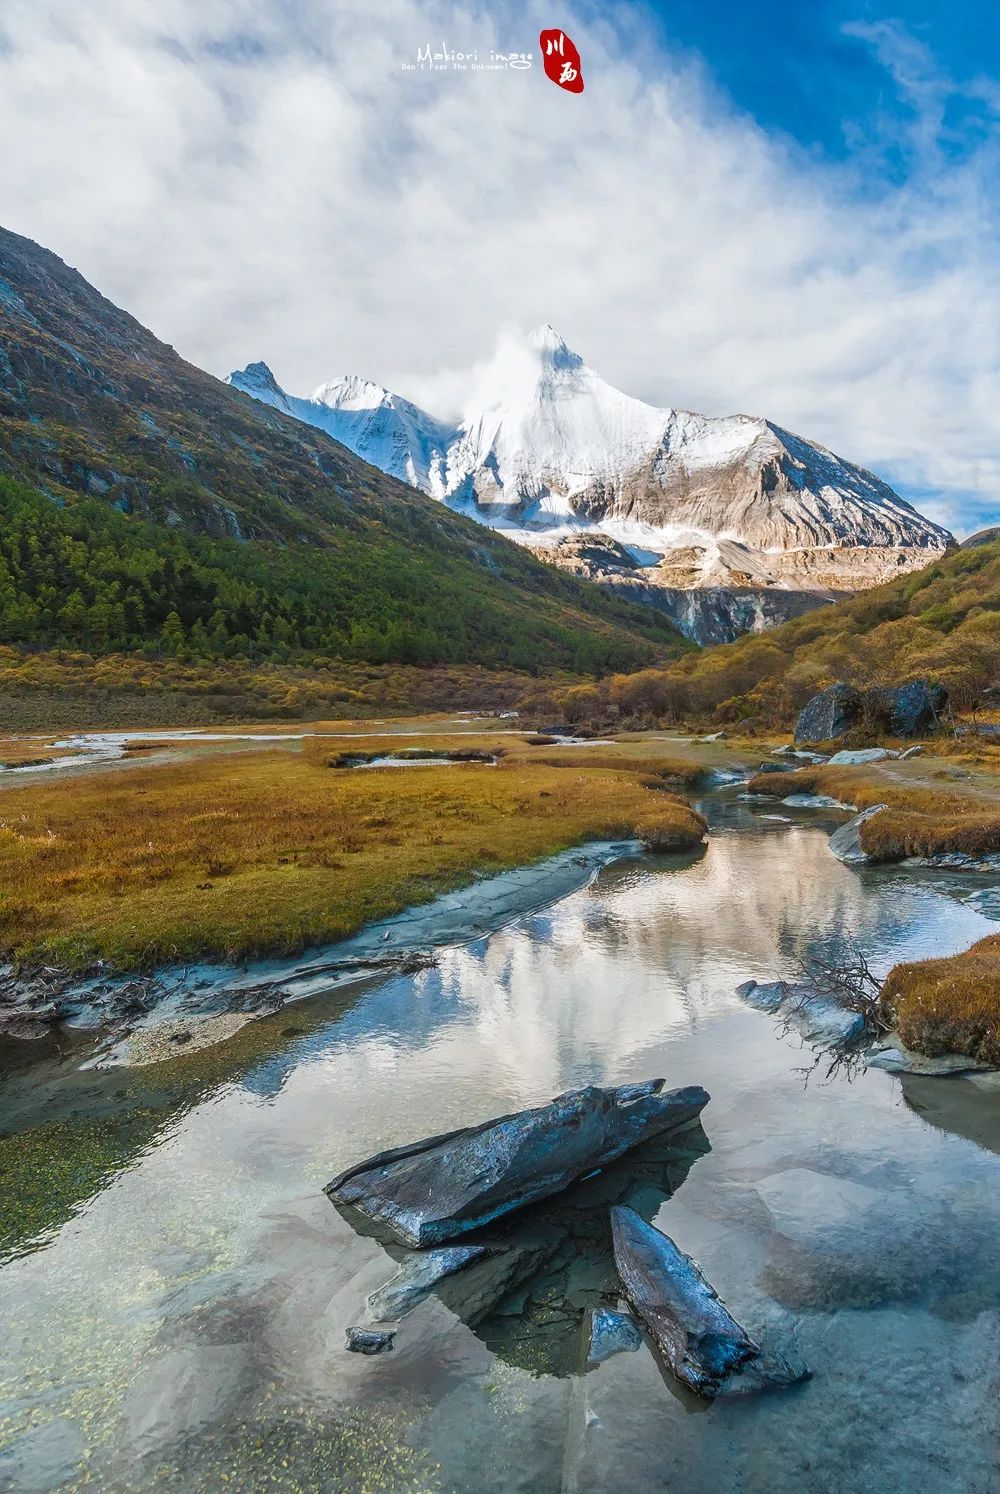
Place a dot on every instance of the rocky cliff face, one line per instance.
(737, 602)
(555, 457)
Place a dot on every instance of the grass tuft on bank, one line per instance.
(949, 1005)
(919, 820)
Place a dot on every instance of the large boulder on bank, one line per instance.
(910, 710)
(700, 1341)
(444, 1186)
(830, 714)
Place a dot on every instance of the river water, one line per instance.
(176, 1287)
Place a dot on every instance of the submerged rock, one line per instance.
(611, 1333)
(955, 861)
(444, 1186)
(769, 1371)
(815, 801)
(700, 1341)
(416, 1277)
(845, 843)
(830, 714)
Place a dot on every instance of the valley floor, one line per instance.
(127, 854)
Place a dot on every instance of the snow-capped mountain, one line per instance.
(653, 501)
(381, 427)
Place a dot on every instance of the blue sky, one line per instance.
(798, 67)
(787, 208)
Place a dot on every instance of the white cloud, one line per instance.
(254, 179)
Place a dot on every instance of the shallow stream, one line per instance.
(176, 1286)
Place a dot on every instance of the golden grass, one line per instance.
(949, 1005)
(920, 820)
(272, 851)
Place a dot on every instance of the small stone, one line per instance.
(611, 1333)
(370, 1340)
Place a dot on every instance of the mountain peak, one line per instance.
(258, 380)
(551, 349)
(352, 392)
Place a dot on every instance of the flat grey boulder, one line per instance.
(611, 1333)
(800, 752)
(896, 1058)
(819, 1019)
(861, 756)
(829, 714)
(845, 843)
(444, 1186)
(700, 1341)
(815, 801)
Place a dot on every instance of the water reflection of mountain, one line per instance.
(650, 950)
(551, 1264)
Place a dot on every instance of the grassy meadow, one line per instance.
(259, 851)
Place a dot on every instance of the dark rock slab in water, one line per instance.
(700, 1341)
(370, 1340)
(444, 1186)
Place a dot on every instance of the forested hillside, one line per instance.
(149, 506)
(86, 576)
